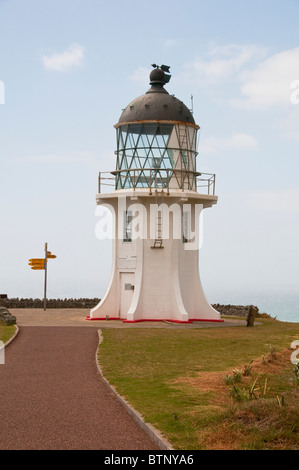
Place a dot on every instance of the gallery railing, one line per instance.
(158, 178)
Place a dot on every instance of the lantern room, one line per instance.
(156, 140)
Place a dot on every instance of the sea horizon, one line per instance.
(280, 304)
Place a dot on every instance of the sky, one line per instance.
(69, 67)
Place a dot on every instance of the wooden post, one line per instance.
(251, 315)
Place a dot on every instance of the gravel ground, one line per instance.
(77, 317)
(53, 398)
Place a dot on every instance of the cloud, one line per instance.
(223, 62)
(284, 200)
(288, 125)
(236, 141)
(270, 82)
(170, 43)
(140, 75)
(262, 81)
(71, 57)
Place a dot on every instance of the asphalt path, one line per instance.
(53, 397)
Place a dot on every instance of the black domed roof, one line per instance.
(156, 104)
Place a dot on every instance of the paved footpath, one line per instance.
(52, 395)
(53, 398)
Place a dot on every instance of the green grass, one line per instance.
(6, 332)
(146, 367)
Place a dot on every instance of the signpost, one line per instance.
(45, 285)
(41, 264)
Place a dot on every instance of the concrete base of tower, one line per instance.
(149, 283)
(156, 293)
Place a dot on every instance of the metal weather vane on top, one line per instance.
(165, 69)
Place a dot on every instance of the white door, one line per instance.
(126, 292)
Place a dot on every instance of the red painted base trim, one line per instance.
(153, 319)
(150, 319)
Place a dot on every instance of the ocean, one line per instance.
(282, 305)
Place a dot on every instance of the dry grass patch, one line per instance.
(207, 382)
(265, 419)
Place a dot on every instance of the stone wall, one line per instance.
(233, 310)
(6, 317)
(51, 303)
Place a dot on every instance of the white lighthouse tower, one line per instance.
(157, 202)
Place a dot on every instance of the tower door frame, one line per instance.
(127, 285)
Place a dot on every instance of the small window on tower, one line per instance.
(127, 226)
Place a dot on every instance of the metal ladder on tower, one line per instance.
(183, 137)
(158, 243)
(183, 143)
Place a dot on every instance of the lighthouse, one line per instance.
(157, 198)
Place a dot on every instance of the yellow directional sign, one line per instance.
(37, 263)
(50, 256)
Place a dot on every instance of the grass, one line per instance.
(6, 332)
(177, 379)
